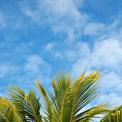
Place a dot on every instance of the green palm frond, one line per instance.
(47, 101)
(17, 96)
(34, 106)
(27, 105)
(114, 115)
(65, 104)
(61, 97)
(91, 113)
(8, 112)
(70, 97)
(84, 92)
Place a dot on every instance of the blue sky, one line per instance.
(39, 38)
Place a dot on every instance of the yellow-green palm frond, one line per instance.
(114, 115)
(54, 103)
(70, 97)
(8, 112)
(47, 103)
(27, 105)
(84, 92)
(61, 96)
(34, 106)
(91, 113)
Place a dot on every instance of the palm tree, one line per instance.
(28, 105)
(69, 97)
(8, 112)
(20, 107)
(114, 115)
(64, 104)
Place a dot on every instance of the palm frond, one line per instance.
(47, 102)
(70, 97)
(84, 92)
(91, 113)
(114, 115)
(61, 97)
(27, 105)
(34, 106)
(8, 112)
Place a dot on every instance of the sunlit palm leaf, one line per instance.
(68, 98)
(48, 104)
(27, 105)
(34, 106)
(91, 113)
(8, 112)
(114, 115)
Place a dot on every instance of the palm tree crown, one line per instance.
(114, 115)
(69, 97)
(64, 104)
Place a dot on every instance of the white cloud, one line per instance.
(34, 68)
(24, 75)
(63, 16)
(94, 29)
(111, 81)
(36, 64)
(77, 50)
(105, 54)
(73, 52)
(58, 55)
(3, 22)
(111, 88)
(61, 7)
(112, 98)
(49, 46)
(7, 70)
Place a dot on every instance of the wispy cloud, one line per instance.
(49, 46)
(94, 29)
(7, 70)
(62, 16)
(80, 40)
(36, 64)
(112, 99)
(105, 55)
(3, 21)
